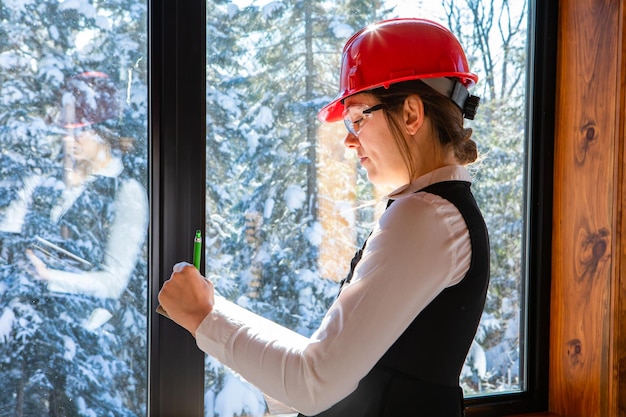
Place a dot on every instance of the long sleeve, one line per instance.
(15, 213)
(419, 247)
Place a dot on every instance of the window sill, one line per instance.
(546, 414)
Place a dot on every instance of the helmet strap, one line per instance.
(456, 92)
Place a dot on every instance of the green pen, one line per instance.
(197, 256)
(197, 249)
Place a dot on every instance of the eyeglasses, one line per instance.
(355, 117)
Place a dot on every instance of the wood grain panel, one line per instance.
(582, 330)
(618, 390)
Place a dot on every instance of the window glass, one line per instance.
(73, 208)
(287, 205)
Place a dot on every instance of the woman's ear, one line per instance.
(413, 113)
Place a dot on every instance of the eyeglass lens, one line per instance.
(355, 117)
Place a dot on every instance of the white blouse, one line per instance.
(419, 246)
(124, 243)
(123, 246)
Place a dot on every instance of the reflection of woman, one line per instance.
(78, 352)
(96, 213)
(395, 340)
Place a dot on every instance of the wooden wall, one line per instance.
(588, 300)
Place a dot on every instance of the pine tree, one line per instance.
(50, 365)
(268, 77)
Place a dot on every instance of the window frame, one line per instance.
(540, 110)
(177, 130)
(176, 41)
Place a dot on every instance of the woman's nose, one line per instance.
(351, 141)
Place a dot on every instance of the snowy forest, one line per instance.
(283, 216)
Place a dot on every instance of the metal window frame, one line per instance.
(177, 192)
(540, 110)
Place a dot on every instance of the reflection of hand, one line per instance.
(187, 296)
(40, 266)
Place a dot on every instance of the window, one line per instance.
(73, 208)
(283, 220)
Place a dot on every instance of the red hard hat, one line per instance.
(87, 98)
(397, 50)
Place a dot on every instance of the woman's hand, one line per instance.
(187, 296)
(40, 266)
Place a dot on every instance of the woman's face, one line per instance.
(87, 145)
(376, 147)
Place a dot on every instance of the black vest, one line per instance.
(419, 374)
(83, 229)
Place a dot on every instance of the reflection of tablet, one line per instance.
(56, 253)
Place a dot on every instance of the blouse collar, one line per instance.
(446, 173)
(113, 169)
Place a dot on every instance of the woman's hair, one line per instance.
(445, 116)
(114, 139)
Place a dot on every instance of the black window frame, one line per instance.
(176, 37)
(177, 94)
(540, 111)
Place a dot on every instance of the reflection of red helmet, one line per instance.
(397, 50)
(88, 98)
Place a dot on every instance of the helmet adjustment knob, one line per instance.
(470, 107)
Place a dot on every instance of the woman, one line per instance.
(76, 236)
(93, 219)
(394, 341)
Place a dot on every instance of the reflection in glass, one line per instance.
(73, 211)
